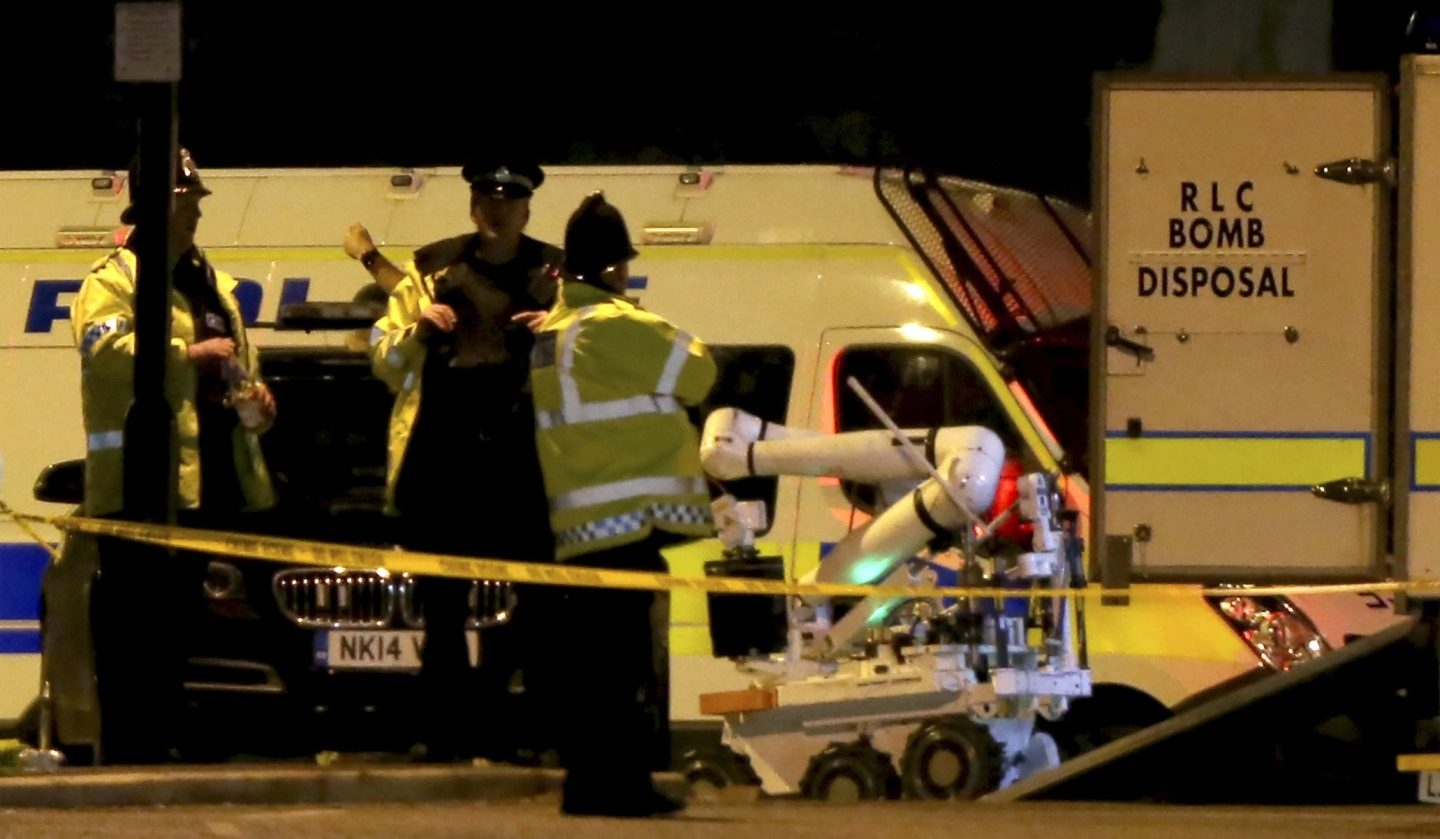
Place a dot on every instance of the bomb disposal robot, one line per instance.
(924, 696)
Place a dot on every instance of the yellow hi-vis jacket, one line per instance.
(620, 457)
(103, 318)
(397, 355)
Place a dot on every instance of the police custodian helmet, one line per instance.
(596, 238)
(187, 182)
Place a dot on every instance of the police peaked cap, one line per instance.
(187, 182)
(506, 177)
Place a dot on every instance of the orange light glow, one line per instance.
(829, 407)
(1018, 391)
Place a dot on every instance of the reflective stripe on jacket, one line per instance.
(103, 318)
(621, 458)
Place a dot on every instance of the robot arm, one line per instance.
(735, 444)
(968, 459)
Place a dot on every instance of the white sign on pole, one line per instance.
(147, 42)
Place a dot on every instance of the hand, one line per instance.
(530, 320)
(267, 406)
(255, 405)
(358, 241)
(437, 317)
(212, 352)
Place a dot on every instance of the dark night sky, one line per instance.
(994, 91)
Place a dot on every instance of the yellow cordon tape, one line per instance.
(22, 523)
(1417, 763)
(397, 561)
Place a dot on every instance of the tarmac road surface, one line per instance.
(791, 819)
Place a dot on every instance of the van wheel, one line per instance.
(845, 773)
(712, 768)
(952, 758)
(1095, 721)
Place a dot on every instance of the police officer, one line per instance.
(212, 371)
(220, 464)
(622, 475)
(454, 347)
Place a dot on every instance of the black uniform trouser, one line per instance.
(470, 485)
(448, 709)
(446, 678)
(616, 721)
(466, 711)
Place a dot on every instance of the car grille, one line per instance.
(335, 599)
(343, 599)
(491, 602)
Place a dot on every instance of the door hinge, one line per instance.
(1358, 171)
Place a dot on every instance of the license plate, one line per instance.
(391, 649)
(1430, 787)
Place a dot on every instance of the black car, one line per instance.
(286, 660)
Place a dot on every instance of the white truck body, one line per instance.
(1261, 289)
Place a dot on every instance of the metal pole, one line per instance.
(150, 422)
(135, 597)
(148, 54)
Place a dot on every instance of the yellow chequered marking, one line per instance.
(1193, 630)
(779, 251)
(933, 295)
(652, 254)
(1426, 460)
(688, 560)
(1239, 462)
(690, 640)
(224, 254)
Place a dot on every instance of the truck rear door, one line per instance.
(1417, 499)
(1241, 325)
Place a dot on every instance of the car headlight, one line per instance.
(1280, 634)
(223, 581)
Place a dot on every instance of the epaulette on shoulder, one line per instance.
(442, 254)
(116, 256)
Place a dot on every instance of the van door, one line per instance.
(1241, 324)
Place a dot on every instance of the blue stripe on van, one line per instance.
(21, 566)
(18, 641)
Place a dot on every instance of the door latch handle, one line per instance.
(1353, 491)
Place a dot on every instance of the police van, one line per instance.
(953, 302)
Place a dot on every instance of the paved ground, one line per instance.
(362, 800)
(538, 817)
(282, 783)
